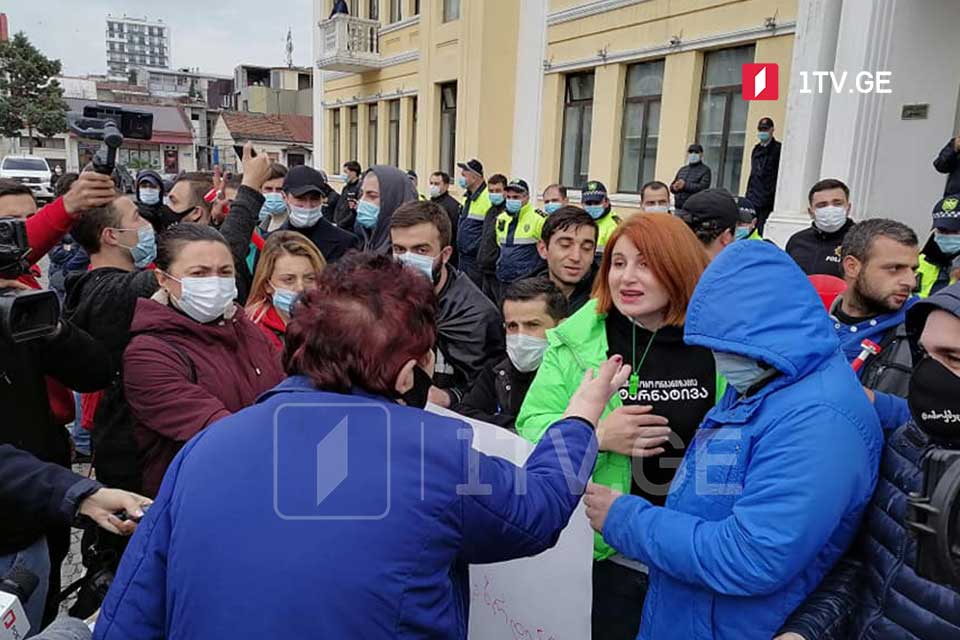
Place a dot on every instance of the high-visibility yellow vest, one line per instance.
(517, 237)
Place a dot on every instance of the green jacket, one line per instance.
(927, 275)
(578, 343)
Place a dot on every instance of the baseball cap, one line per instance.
(946, 213)
(303, 180)
(593, 192)
(713, 209)
(473, 165)
(518, 185)
(764, 124)
(747, 212)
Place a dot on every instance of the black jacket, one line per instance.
(332, 241)
(71, 357)
(874, 592)
(238, 228)
(38, 492)
(948, 162)
(469, 335)
(818, 252)
(696, 178)
(343, 216)
(764, 168)
(497, 395)
(452, 207)
(102, 302)
(488, 253)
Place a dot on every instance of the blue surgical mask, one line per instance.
(763, 135)
(514, 206)
(742, 233)
(367, 214)
(552, 207)
(424, 264)
(305, 217)
(273, 204)
(595, 210)
(149, 196)
(462, 182)
(496, 199)
(283, 300)
(949, 244)
(741, 372)
(145, 251)
(693, 158)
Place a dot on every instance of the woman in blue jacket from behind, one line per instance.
(771, 491)
(336, 507)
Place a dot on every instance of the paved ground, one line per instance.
(72, 569)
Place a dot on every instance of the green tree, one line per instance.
(30, 97)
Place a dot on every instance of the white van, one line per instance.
(31, 171)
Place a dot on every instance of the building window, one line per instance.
(354, 7)
(413, 134)
(336, 138)
(416, 7)
(354, 132)
(448, 127)
(722, 121)
(374, 9)
(641, 125)
(577, 122)
(372, 115)
(393, 146)
(451, 10)
(395, 13)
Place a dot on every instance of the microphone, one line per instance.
(16, 587)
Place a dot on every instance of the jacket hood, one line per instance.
(152, 176)
(395, 189)
(776, 316)
(947, 299)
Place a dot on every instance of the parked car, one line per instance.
(31, 171)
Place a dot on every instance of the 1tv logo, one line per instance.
(761, 81)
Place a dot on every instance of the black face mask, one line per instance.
(934, 390)
(418, 394)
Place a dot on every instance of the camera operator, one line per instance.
(875, 592)
(51, 496)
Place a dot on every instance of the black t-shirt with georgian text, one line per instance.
(678, 380)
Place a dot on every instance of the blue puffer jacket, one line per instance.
(771, 491)
(318, 515)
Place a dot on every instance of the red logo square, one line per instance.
(761, 81)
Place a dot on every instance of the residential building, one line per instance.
(132, 42)
(286, 138)
(615, 90)
(4, 29)
(186, 83)
(273, 90)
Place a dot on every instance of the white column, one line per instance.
(814, 49)
(531, 46)
(318, 110)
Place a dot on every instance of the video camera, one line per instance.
(24, 315)
(110, 125)
(933, 516)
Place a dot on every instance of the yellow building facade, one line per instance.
(548, 90)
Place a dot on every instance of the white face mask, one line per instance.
(659, 208)
(434, 191)
(526, 352)
(206, 299)
(303, 217)
(741, 372)
(829, 219)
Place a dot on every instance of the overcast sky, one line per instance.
(214, 36)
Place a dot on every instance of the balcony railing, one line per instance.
(349, 44)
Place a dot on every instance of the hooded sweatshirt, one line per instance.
(395, 189)
(772, 490)
(180, 376)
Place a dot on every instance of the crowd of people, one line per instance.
(754, 418)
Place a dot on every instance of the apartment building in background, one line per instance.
(273, 90)
(615, 90)
(136, 42)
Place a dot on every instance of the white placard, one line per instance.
(546, 597)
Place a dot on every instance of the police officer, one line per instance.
(597, 204)
(518, 231)
(476, 204)
(942, 249)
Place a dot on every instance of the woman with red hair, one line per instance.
(640, 296)
(343, 508)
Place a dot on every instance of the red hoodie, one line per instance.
(180, 376)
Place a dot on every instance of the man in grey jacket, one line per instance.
(692, 178)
